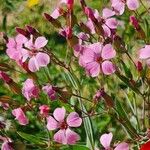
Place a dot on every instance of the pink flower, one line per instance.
(64, 134)
(15, 47)
(119, 5)
(106, 139)
(49, 90)
(30, 90)
(37, 59)
(106, 20)
(96, 58)
(7, 143)
(20, 116)
(44, 110)
(144, 54)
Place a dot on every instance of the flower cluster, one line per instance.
(57, 99)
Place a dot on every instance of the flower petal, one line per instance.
(59, 114)
(106, 139)
(40, 42)
(60, 137)
(108, 52)
(107, 31)
(108, 67)
(33, 64)
(118, 7)
(107, 13)
(21, 39)
(144, 53)
(73, 120)
(71, 137)
(20, 116)
(93, 69)
(29, 43)
(132, 4)
(42, 59)
(55, 14)
(122, 146)
(112, 23)
(52, 124)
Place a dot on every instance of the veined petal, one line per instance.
(52, 124)
(108, 67)
(122, 146)
(144, 53)
(59, 114)
(73, 120)
(40, 42)
(33, 64)
(108, 52)
(112, 23)
(60, 137)
(71, 137)
(107, 13)
(42, 59)
(132, 4)
(106, 139)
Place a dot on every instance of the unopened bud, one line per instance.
(139, 66)
(23, 32)
(31, 30)
(134, 22)
(53, 21)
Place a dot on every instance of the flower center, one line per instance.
(99, 59)
(124, 1)
(63, 125)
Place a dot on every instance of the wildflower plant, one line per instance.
(90, 93)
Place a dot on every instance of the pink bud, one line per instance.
(134, 22)
(89, 12)
(5, 77)
(23, 32)
(31, 30)
(139, 66)
(70, 4)
(44, 110)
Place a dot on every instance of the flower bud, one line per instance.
(31, 30)
(70, 4)
(101, 93)
(23, 32)
(85, 28)
(53, 21)
(134, 22)
(5, 77)
(139, 66)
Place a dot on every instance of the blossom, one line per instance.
(49, 90)
(64, 134)
(106, 139)
(15, 48)
(37, 59)
(108, 22)
(30, 90)
(119, 5)
(144, 54)
(96, 59)
(145, 146)
(44, 110)
(20, 116)
(7, 143)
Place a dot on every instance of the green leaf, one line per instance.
(76, 147)
(32, 139)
